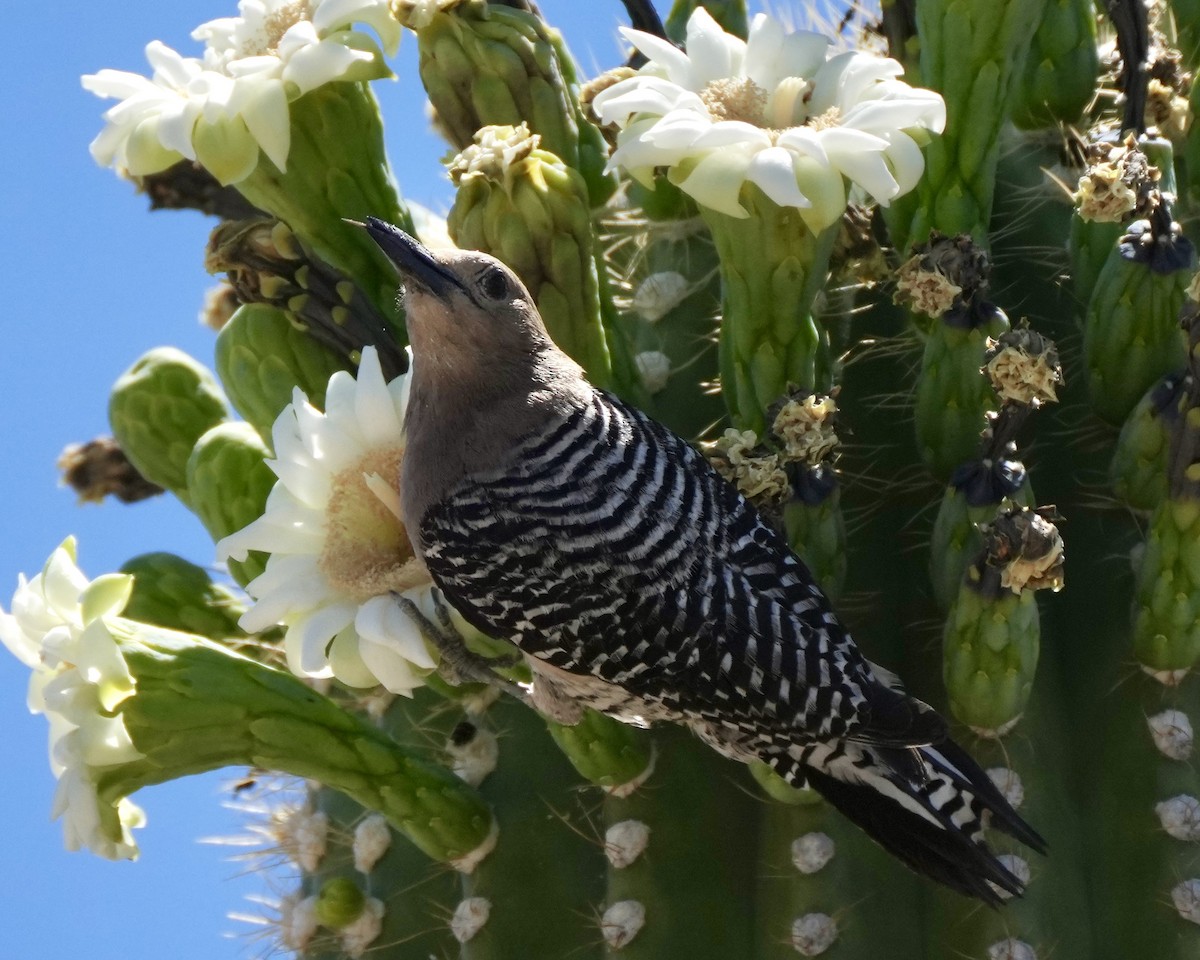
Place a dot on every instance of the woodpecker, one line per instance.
(636, 581)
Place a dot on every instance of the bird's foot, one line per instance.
(458, 664)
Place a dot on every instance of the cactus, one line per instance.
(159, 408)
(753, 285)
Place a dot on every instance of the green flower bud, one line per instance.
(1131, 334)
(523, 205)
(262, 357)
(158, 409)
(605, 751)
(992, 633)
(336, 170)
(1059, 79)
(490, 64)
(170, 592)
(228, 482)
(1138, 471)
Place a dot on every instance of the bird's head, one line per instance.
(466, 311)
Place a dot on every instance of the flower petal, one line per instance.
(662, 54)
(774, 172)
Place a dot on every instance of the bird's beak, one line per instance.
(415, 262)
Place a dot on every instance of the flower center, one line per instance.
(367, 552)
(735, 98)
(740, 98)
(270, 29)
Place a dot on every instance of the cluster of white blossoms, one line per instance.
(222, 107)
(776, 110)
(57, 628)
(339, 552)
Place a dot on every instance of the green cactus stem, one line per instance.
(1053, 917)
(1062, 67)
(813, 894)
(990, 644)
(486, 64)
(664, 279)
(416, 896)
(171, 592)
(158, 409)
(198, 706)
(337, 170)
(971, 52)
(262, 357)
(268, 264)
(229, 481)
(523, 205)
(1131, 334)
(772, 267)
(543, 839)
(643, 914)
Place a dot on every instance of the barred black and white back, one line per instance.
(607, 547)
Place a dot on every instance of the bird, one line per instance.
(636, 581)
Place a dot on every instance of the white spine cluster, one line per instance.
(469, 917)
(812, 851)
(624, 842)
(813, 934)
(621, 922)
(1172, 733)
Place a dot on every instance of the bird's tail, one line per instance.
(929, 806)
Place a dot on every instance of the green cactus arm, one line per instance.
(229, 482)
(198, 706)
(159, 408)
(171, 592)
(262, 357)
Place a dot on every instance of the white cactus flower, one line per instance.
(339, 550)
(775, 110)
(57, 628)
(223, 107)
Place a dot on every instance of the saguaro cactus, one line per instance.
(784, 251)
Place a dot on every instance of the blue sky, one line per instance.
(93, 281)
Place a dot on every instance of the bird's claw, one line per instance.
(458, 664)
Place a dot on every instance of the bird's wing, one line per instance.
(609, 546)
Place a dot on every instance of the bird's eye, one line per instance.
(494, 284)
